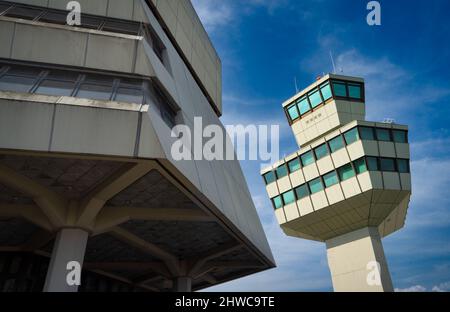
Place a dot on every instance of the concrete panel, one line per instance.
(25, 126)
(272, 190)
(391, 181)
(402, 150)
(120, 9)
(387, 149)
(350, 187)
(149, 145)
(291, 212)
(279, 214)
(370, 148)
(310, 172)
(143, 65)
(305, 206)
(355, 150)
(325, 165)
(97, 7)
(284, 184)
(340, 158)
(376, 180)
(319, 200)
(42, 3)
(6, 36)
(94, 131)
(334, 194)
(365, 181)
(297, 178)
(121, 53)
(405, 179)
(49, 45)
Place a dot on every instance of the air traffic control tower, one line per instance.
(348, 185)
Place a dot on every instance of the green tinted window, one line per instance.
(383, 134)
(302, 191)
(282, 171)
(315, 99)
(288, 197)
(307, 158)
(315, 185)
(321, 151)
(277, 202)
(351, 136)
(346, 172)
(339, 89)
(372, 163)
(366, 133)
(326, 91)
(270, 177)
(403, 165)
(400, 136)
(294, 165)
(303, 106)
(293, 112)
(360, 165)
(336, 144)
(330, 179)
(354, 91)
(387, 164)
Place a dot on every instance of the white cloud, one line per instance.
(443, 287)
(416, 288)
(213, 13)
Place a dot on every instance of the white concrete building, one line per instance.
(86, 171)
(349, 185)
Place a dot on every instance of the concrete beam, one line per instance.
(200, 261)
(210, 279)
(110, 217)
(120, 180)
(51, 203)
(213, 265)
(32, 213)
(170, 260)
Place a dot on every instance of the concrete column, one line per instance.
(70, 245)
(357, 262)
(182, 284)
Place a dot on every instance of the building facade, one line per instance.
(349, 184)
(87, 176)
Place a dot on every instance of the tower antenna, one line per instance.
(332, 62)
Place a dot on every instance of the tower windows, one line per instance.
(383, 134)
(336, 144)
(325, 89)
(60, 81)
(339, 89)
(307, 158)
(315, 185)
(282, 171)
(351, 136)
(294, 165)
(330, 179)
(321, 151)
(315, 98)
(346, 172)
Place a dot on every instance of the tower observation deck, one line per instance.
(349, 184)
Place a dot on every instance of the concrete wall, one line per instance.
(182, 24)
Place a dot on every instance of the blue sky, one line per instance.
(264, 44)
